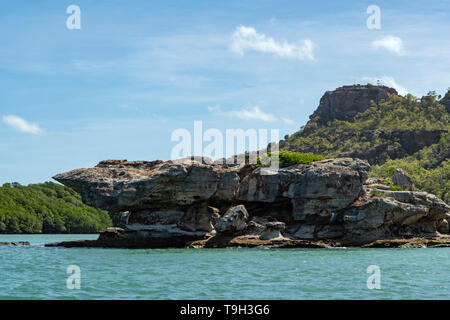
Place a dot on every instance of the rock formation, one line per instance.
(191, 203)
(15, 244)
(374, 144)
(401, 179)
(346, 102)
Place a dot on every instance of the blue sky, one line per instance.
(137, 70)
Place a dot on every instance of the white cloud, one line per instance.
(250, 113)
(390, 43)
(21, 124)
(254, 113)
(288, 121)
(390, 82)
(246, 38)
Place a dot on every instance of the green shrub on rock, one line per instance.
(289, 158)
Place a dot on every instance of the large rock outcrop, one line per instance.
(362, 137)
(120, 185)
(191, 203)
(346, 102)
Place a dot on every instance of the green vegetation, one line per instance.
(393, 187)
(429, 168)
(289, 158)
(47, 208)
(375, 193)
(370, 128)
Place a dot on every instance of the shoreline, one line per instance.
(245, 241)
(217, 242)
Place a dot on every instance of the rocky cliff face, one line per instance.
(346, 102)
(189, 203)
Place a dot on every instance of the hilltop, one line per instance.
(376, 124)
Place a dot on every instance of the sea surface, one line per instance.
(37, 272)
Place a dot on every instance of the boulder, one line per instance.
(267, 228)
(273, 230)
(401, 179)
(199, 218)
(234, 220)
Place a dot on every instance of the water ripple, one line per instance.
(40, 273)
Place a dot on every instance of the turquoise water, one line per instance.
(38, 272)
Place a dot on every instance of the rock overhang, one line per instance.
(328, 199)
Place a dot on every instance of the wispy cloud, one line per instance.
(246, 38)
(391, 43)
(388, 81)
(288, 121)
(250, 113)
(21, 124)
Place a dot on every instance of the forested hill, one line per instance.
(390, 131)
(47, 208)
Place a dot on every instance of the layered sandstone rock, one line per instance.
(193, 203)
